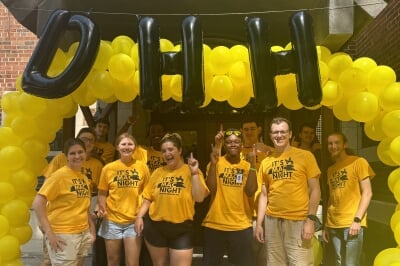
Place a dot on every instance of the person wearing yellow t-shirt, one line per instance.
(169, 199)
(349, 196)
(120, 188)
(232, 182)
(251, 130)
(103, 148)
(154, 154)
(62, 206)
(289, 199)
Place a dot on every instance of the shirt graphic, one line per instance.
(232, 177)
(80, 187)
(171, 185)
(338, 179)
(282, 169)
(127, 178)
(153, 162)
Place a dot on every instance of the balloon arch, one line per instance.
(94, 69)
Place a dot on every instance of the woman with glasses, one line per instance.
(169, 198)
(232, 182)
(62, 207)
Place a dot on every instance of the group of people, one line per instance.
(263, 199)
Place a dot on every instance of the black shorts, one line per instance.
(236, 244)
(166, 234)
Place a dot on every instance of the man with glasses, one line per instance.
(232, 183)
(289, 199)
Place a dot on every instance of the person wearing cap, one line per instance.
(232, 182)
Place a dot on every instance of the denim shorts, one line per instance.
(112, 230)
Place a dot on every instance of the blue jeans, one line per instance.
(347, 248)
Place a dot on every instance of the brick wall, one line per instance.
(16, 45)
(380, 40)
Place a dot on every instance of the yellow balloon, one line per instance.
(331, 93)
(23, 180)
(287, 91)
(323, 72)
(237, 73)
(277, 48)
(72, 50)
(166, 89)
(8, 101)
(31, 105)
(239, 53)
(390, 97)
(176, 87)
(339, 62)
(166, 45)
(394, 220)
(122, 44)
(121, 67)
(387, 256)
(21, 123)
(16, 211)
(353, 80)
(101, 85)
(379, 78)
(340, 110)
(206, 52)
(391, 123)
(324, 54)
(9, 248)
(363, 106)
(395, 150)
(393, 178)
(12, 157)
(82, 94)
(221, 88)
(373, 128)
(135, 55)
(8, 137)
(22, 233)
(365, 63)
(126, 91)
(383, 152)
(7, 192)
(103, 56)
(240, 96)
(58, 64)
(220, 60)
(4, 226)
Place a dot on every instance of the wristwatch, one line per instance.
(357, 220)
(312, 217)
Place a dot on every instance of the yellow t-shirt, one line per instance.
(140, 154)
(231, 208)
(124, 184)
(344, 190)
(154, 159)
(91, 168)
(105, 150)
(259, 157)
(170, 193)
(68, 194)
(285, 176)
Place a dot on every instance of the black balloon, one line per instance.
(150, 62)
(35, 80)
(308, 80)
(192, 50)
(262, 65)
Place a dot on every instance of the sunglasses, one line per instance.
(228, 133)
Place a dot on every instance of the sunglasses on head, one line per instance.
(237, 133)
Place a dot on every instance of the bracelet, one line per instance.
(253, 169)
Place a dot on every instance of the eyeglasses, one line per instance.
(282, 132)
(87, 140)
(237, 133)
